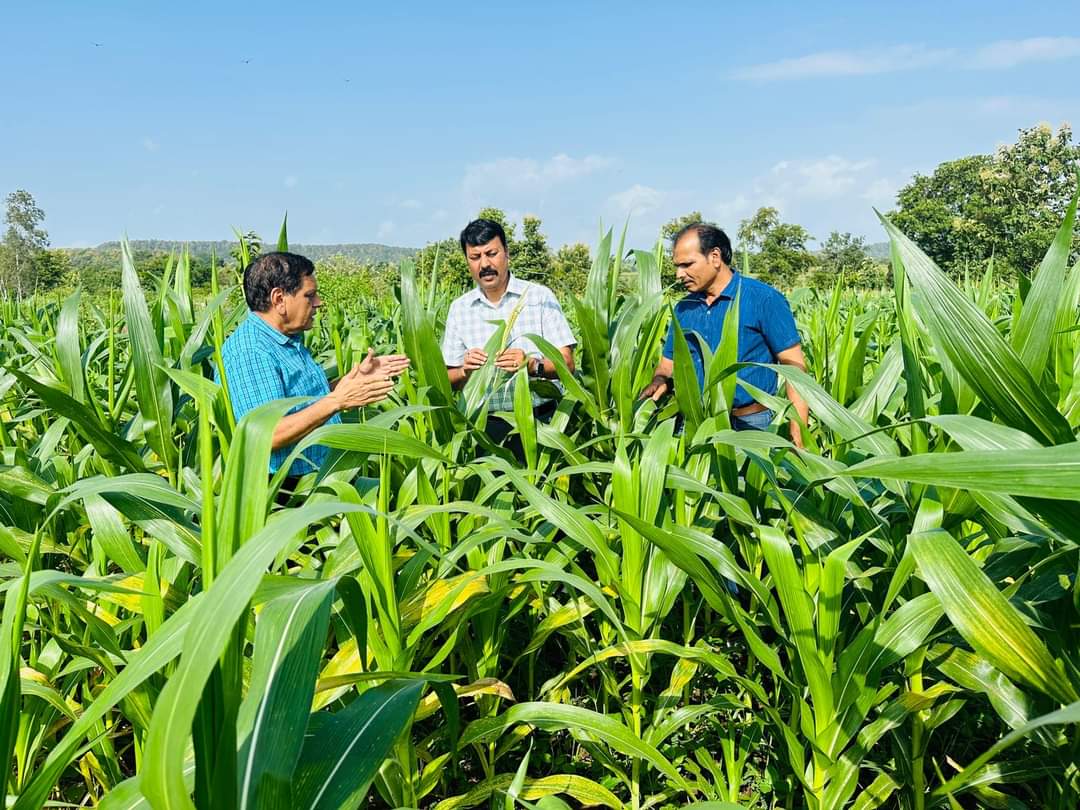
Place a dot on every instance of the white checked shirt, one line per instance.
(472, 320)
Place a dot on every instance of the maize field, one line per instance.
(644, 611)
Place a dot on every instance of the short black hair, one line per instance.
(277, 269)
(480, 232)
(710, 238)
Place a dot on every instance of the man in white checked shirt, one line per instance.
(473, 317)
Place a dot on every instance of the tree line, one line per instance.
(1005, 205)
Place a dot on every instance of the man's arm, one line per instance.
(295, 426)
(661, 381)
(368, 381)
(794, 357)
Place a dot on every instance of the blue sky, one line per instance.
(395, 124)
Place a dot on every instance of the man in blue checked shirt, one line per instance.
(701, 253)
(471, 321)
(265, 359)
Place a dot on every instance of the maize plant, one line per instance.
(646, 609)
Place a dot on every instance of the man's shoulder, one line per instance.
(462, 300)
(538, 293)
(755, 289)
(245, 338)
(759, 290)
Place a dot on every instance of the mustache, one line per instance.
(488, 271)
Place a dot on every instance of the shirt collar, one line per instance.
(515, 286)
(727, 293)
(278, 337)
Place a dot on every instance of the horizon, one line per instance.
(573, 115)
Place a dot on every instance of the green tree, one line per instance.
(779, 253)
(452, 273)
(25, 241)
(570, 270)
(532, 258)
(254, 246)
(1008, 204)
(844, 253)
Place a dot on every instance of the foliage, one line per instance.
(641, 611)
(845, 254)
(1006, 205)
(532, 257)
(778, 249)
(344, 280)
(24, 264)
(569, 270)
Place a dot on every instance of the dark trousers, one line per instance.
(499, 430)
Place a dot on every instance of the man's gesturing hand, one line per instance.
(386, 365)
(370, 380)
(510, 359)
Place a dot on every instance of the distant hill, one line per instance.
(878, 251)
(366, 253)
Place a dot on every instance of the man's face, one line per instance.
(298, 309)
(489, 264)
(695, 271)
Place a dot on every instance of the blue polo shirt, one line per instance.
(766, 328)
(263, 364)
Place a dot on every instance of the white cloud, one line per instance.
(825, 193)
(291, 181)
(823, 179)
(150, 145)
(726, 213)
(528, 175)
(1012, 52)
(999, 55)
(386, 228)
(847, 63)
(638, 200)
(410, 204)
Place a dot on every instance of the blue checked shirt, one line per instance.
(472, 320)
(262, 364)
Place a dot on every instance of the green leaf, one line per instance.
(283, 234)
(289, 638)
(1034, 331)
(343, 750)
(585, 791)
(210, 631)
(68, 352)
(111, 446)
(971, 343)
(1046, 472)
(152, 387)
(557, 716)
(161, 648)
(984, 617)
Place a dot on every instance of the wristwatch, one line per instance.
(536, 366)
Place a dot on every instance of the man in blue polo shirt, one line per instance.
(701, 253)
(265, 359)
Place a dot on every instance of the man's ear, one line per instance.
(277, 297)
